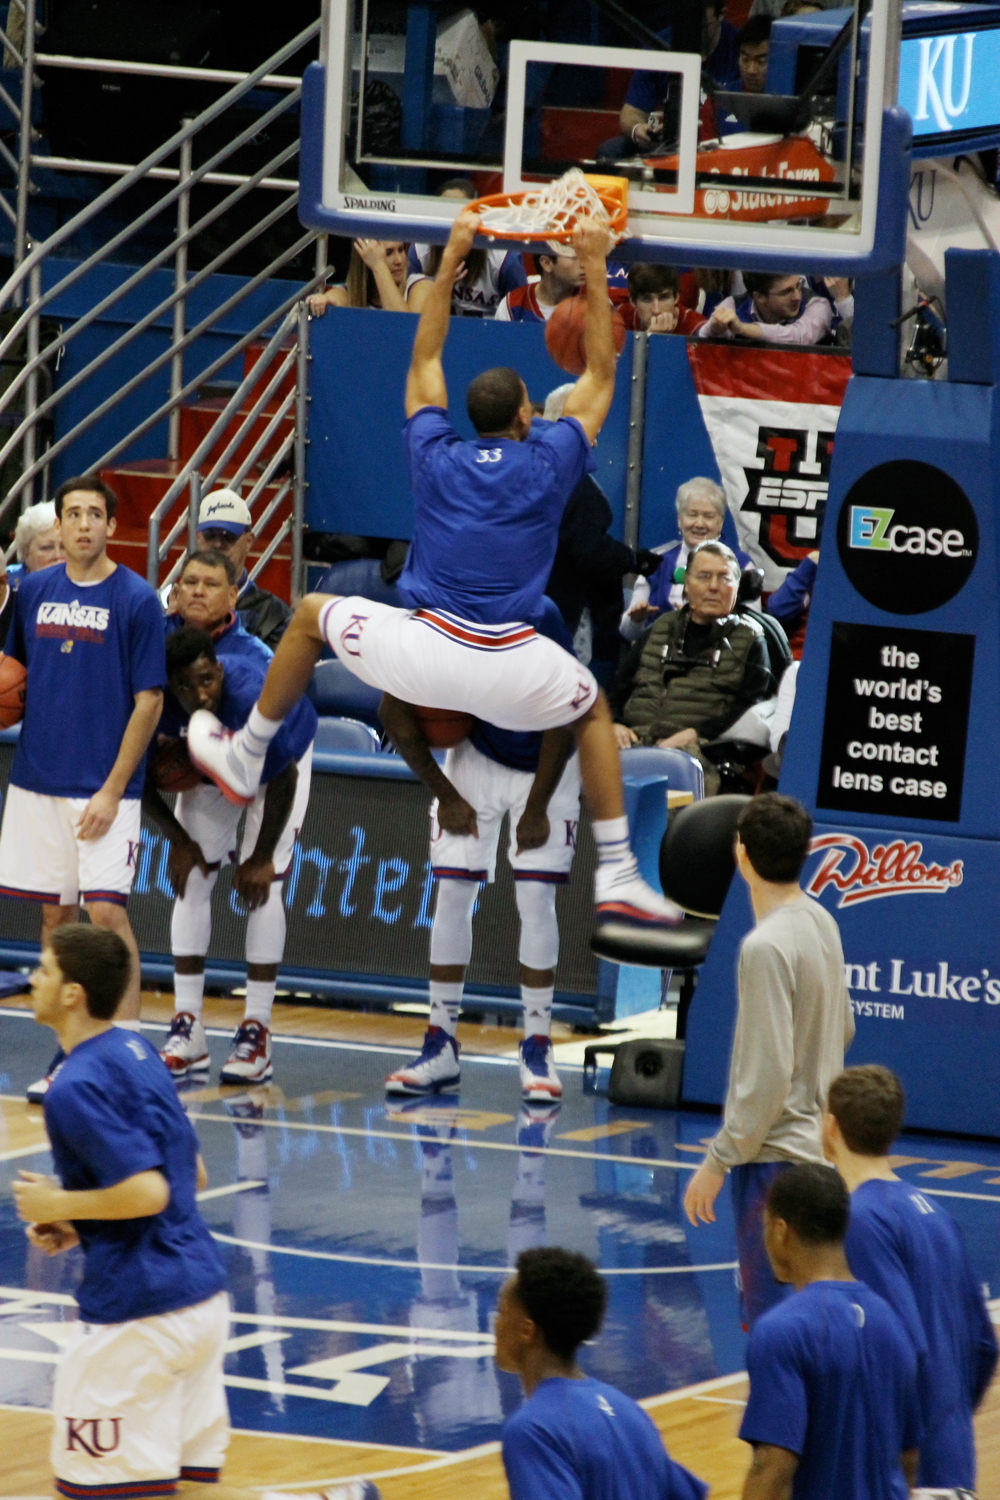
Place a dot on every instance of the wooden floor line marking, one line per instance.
(425, 1265)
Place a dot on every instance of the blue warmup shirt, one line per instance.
(241, 684)
(233, 640)
(486, 516)
(511, 747)
(912, 1253)
(583, 1440)
(111, 1112)
(833, 1378)
(88, 650)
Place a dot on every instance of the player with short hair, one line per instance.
(90, 634)
(143, 1368)
(486, 528)
(793, 1022)
(833, 1407)
(535, 781)
(573, 1438)
(202, 832)
(911, 1251)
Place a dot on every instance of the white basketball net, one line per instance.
(548, 209)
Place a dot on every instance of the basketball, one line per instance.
(12, 680)
(444, 727)
(171, 768)
(564, 334)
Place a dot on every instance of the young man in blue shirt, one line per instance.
(487, 517)
(833, 1412)
(202, 832)
(90, 634)
(139, 1401)
(910, 1250)
(573, 1438)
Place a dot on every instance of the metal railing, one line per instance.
(39, 278)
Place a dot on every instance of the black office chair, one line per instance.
(696, 867)
(737, 761)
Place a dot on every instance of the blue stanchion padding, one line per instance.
(356, 468)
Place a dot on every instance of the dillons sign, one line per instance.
(858, 874)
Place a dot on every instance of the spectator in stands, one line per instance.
(777, 309)
(37, 540)
(560, 276)
(701, 510)
(376, 277)
(586, 579)
(205, 598)
(488, 276)
(641, 118)
(775, 8)
(653, 304)
(697, 670)
(789, 604)
(224, 526)
(754, 47)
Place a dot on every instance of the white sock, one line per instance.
(537, 1010)
(128, 1025)
(258, 732)
(446, 1000)
(189, 992)
(260, 999)
(613, 848)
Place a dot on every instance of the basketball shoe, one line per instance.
(249, 1059)
(436, 1068)
(35, 1092)
(539, 1079)
(186, 1049)
(223, 756)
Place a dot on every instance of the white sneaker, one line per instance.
(186, 1050)
(35, 1092)
(249, 1059)
(219, 754)
(436, 1068)
(621, 895)
(539, 1080)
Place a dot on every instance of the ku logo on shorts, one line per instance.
(94, 1436)
(350, 636)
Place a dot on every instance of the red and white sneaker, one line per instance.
(219, 754)
(249, 1059)
(436, 1068)
(35, 1092)
(621, 895)
(539, 1080)
(186, 1049)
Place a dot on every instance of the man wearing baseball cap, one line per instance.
(224, 524)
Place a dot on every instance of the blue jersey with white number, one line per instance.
(911, 1252)
(584, 1440)
(833, 1379)
(486, 516)
(112, 1112)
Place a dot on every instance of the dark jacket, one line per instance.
(667, 683)
(589, 564)
(262, 614)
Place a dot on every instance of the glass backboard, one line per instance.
(756, 149)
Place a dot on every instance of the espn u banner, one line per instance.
(771, 416)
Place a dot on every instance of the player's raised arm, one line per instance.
(425, 382)
(590, 399)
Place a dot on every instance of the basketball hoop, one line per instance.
(550, 211)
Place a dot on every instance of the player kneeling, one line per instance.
(536, 781)
(139, 1400)
(203, 832)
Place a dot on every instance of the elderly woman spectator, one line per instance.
(697, 670)
(36, 539)
(701, 510)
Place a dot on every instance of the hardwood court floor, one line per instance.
(327, 1205)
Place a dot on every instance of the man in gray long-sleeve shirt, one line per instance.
(793, 1024)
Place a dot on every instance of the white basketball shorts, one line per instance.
(213, 822)
(493, 790)
(42, 859)
(506, 674)
(138, 1406)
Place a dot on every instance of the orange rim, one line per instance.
(612, 191)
